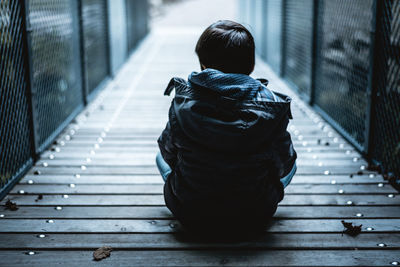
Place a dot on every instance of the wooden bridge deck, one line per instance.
(100, 186)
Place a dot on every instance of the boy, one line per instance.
(225, 153)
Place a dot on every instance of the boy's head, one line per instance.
(228, 47)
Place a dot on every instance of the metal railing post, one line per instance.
(372, 85)
(315, 49)
(283, 38)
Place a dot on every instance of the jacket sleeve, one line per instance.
(166, 144)
(285, 155)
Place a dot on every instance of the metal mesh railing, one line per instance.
(41, 48)
(95, 46)
(298, 38)
(137, 22)
(55, 65)
(385, 144)
(15, 130)
(342, 67)
(274, 34)
(343, 56)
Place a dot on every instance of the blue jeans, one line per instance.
(165, 170)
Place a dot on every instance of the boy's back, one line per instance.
(227, 146)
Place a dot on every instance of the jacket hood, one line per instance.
(227, 84)
(229, 118)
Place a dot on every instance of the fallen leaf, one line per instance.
(102, 253)
(350, 229)
(11, 205)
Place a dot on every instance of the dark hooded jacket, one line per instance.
(227, 150)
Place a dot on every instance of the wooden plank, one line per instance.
(73, 155)
(149, 200)
(158, 189)
(204, 258)
(185, 241)
(161, 212)
(156, 178)
(166, 226)
(152, 169)
(154, 148)
(143, 161)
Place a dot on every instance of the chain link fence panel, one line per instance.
(95, 43)
(137, 21)
(15, 120)
(55, 65)
(385, 145)
(342, 66)
(298, 39)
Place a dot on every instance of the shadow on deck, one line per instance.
(98, 185)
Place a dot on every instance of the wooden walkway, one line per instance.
(100, 186)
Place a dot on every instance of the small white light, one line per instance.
(58, 208)
(30, 253)
(362, 167)
(380, 185)
(100, 140)
(371, 175)
(335, 140)
(2, 215)
(340, 191)
(326, 172)
(348, 152)
(30, 181)
(314, 157)
(309, 149)
(88, 160)
(77, 176)
(370, 229)
(72, 185)
(103, 134)
(391, 195)
(381, 245)
(349, 202)
(57, 149)
(355, 159)
(83, 167)
(72, 132)
(304, 143)
(359, 215)
(41, 236)
(395, 263)
(62, 143)
(50, 221)
(21, 192)
(92, 152)
(51, 156)
(341, 145)
(65, 196)
(45, 164)
(96, 146)
(320, 164)
(67, 137)
(333, 182)
(300, 137)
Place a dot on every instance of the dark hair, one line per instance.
(227, 46)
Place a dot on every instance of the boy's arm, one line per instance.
(168, 149)
(285, 152)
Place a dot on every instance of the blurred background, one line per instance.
(340, 56)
